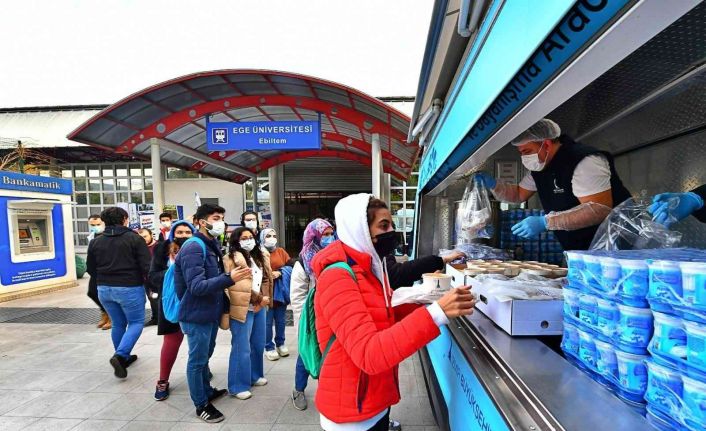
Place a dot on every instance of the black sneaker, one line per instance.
(129, 362)
(395, 426)
(161, 392)
(119, 365)
(209, 414)
(217, 393)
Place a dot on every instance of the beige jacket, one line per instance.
(241, 294)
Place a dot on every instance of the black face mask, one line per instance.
(386, 243)
(180, 241)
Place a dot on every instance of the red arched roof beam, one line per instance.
(307, 154)
(175, 120)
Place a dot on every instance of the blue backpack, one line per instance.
(170, 300)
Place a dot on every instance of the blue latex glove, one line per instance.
(530, 227)
(669, 208)
(486, 179)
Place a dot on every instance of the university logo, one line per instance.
(220, 136)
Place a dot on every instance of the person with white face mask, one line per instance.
(275, 348)
(250, 220)
(246, 318)
(578, 186)
(165, 225)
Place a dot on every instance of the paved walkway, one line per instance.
(57, 377)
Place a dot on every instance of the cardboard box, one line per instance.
(516, 317)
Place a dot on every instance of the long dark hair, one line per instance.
(255, 254)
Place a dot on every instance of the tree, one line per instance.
(21, 159)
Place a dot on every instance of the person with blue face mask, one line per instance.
(577, 185)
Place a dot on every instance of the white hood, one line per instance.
(352, 229)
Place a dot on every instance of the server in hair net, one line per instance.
(577, 185)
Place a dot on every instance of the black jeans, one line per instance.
(383, 424)
(93, 292)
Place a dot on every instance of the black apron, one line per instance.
(556, 193)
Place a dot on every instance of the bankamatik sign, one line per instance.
(264, 135)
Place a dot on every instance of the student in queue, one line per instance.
(251, 220)
(165, 225)
(577, 185)
(249, 299)
(163, 257)
(669, 208)
(96, 228)
(120, 261)
(200, 282)
(317, 235)
(275, 348)
(358, 381)
(150, 290)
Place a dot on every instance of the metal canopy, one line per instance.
(174, 113)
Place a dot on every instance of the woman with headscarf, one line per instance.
(274, 349)
(163, 257)
(317, 235)
(365, 338)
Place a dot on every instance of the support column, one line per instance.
(386, 180)
(254, 193)
(376, 156)
(276, 177)
(157, 183)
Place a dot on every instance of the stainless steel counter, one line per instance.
(536, 388)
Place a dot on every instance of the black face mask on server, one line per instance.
(386, 244)
(180, 241)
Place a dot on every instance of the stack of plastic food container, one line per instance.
(544, 249)
(636, 322)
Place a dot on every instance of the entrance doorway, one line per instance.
(302, 207)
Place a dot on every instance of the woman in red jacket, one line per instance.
(358, 380)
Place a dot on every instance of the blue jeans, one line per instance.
(247, 346)
(301, 376)
(126, 308)
(278, 317)
(201, 338)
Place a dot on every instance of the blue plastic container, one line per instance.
(634, 328)
(635, 281)
(592, 272)
(695, 343)
(571, 302)
(606, 360)
(694, 283)
(587, 349)
(607, 317)
(574, 262)
(669, 335)
(587, 309)
(694, 396)
(610, 275)
(570, 341)
(632, 373)
(665, 285)
(664, 388)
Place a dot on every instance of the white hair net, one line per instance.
(541, 130)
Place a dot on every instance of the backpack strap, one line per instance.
(347, 267)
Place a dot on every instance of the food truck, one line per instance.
(625, 77)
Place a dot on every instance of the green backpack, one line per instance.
(309, 350)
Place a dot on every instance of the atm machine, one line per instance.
(36, 235)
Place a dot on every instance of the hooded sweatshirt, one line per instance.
(119, 258)
(359, 376)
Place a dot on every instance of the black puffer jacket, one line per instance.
(119, 257)
(406, 273)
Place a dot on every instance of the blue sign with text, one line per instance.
(469, 405)
(264, 135)
(34, 183)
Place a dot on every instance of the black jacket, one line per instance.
(160, 264)
(119, 257)
(406, 273)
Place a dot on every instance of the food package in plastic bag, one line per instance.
(415, 294)
(476, 212)
(630, 227)
(524, 288)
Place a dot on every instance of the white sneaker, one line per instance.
(260, 382)
(283, 351)
(271, 355)
(243, 395)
